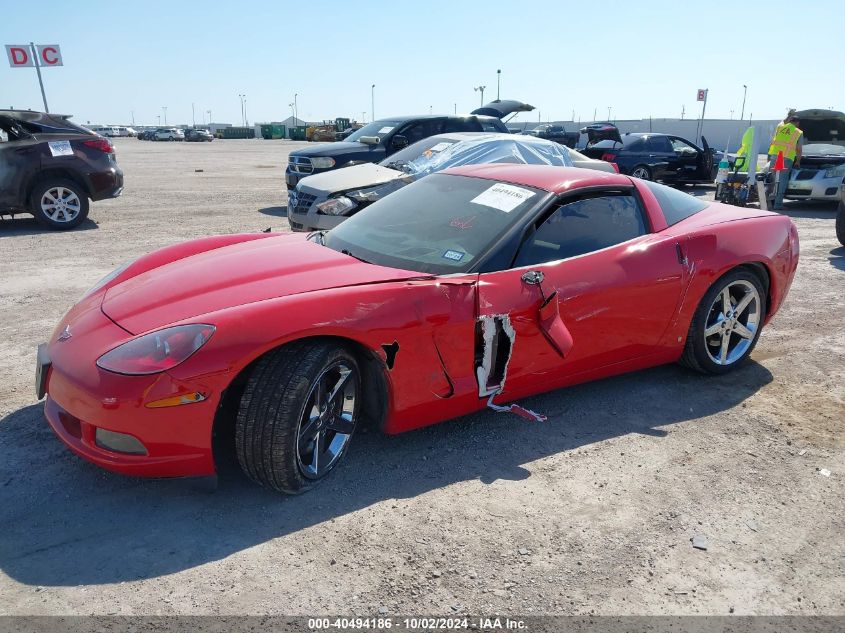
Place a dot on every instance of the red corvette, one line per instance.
(478, 283)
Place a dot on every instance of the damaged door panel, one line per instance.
(590, 311)
(494, 336)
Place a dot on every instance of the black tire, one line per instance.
(643, 170)
(273, 408)
(696, 355)
(39, 191)
(840, 223)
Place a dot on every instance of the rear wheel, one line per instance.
(642, 172)
(840, 223)
(727, 324)
(297, 415)
(59, 203)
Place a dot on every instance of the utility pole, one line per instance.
(498, 82)
(481, 90)
(744, 93)
(373, 102)
(243, 118)
(193, 116)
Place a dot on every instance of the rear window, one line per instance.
(676, 205)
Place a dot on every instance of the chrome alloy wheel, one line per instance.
(641, 173)
(732, 322)
(60, 204)
(328, 420)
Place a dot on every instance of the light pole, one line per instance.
(481, 90)
(243, 118)
(158, 117)
(132, 112)
(456, 108)
(608, 113)
(246, 116)
(164, 108)
(373, 102)
(295, 109)
(363, 116)
(193, 116)
(430, 109)
(594, 113)
(498, 82)
(744, 92)
(292, 111)
(209, 116)
(732, 115)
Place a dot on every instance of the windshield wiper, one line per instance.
(346, 251)
(320, 237)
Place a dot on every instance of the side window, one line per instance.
(490, 125)
(636, 146)
(676, 205)
(583, 226)
(419, 130)
(460, 125)
(659, 144)
(680, 146)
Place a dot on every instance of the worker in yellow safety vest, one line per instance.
(788, 139)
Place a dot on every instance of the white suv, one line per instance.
(169, 134)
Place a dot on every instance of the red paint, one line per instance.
(53, 58)
(19, 56)
(624, 308)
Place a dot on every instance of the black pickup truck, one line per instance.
(378, 140)
(556, 133)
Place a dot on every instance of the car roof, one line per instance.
(547, 177)
(419, 117)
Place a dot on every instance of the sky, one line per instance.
(617, 60)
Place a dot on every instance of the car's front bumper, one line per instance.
(88, 407)
(811, 184)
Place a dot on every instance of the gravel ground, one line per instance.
(590, 512)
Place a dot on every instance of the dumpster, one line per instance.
(297, 132)
(237, 132)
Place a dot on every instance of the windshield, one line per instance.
(823, 149)
(376, 128)
(426, 147)
(492, 148)
(441, 224)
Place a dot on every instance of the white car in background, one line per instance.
(821, 171)
(169, 134)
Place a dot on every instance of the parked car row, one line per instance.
(112, 131)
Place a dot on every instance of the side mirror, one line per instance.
(399, 141)
(533, 277)
(370, 140)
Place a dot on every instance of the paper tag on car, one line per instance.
(385, 130)
(60, 148)
(503, 197)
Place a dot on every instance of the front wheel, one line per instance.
(59, 203)
(727, 324)
(297, 415)
(840, 223)
(642, 172)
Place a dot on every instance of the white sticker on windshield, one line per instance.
(503, 197)
(385, 130)
(439, 147)
(60, 148)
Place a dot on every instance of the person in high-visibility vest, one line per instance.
(788, 139)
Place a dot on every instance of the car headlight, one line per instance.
(156, 352)
(336, 206)
(322, 162)
(364, 195)
(835, 172)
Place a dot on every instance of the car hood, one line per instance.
(233, 275)
(348, 178)
(339, 148)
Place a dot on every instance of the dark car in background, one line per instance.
(51, 168)
(556, 133)
(657, 157)
(378, 140)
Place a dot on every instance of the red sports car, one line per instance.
(473, 287)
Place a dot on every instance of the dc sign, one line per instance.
(40, 56)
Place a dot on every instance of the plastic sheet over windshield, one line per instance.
(500, 148)
(440, 224)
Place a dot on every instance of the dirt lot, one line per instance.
(591, 512)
